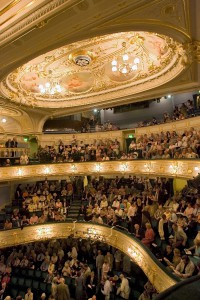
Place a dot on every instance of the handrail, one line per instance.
(125, 242)
(187, 169)
(14, 152)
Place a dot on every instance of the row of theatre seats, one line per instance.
(22, 279)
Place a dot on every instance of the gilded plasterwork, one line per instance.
(111, 236)
(186, 169)
(84, 71)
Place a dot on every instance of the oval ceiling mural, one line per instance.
(94, 70)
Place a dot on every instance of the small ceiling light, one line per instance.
(95, 110)
(169, 96)
(3, 120)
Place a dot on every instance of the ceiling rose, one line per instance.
(82, 72)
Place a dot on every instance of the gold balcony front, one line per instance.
(186, 169)
(125, 242)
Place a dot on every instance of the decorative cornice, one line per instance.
(37, 18)
(155, 272)
(192, 51)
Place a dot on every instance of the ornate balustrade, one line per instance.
(186, 169)
(125, 242)
(12, 152)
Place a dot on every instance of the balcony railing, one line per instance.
(154, 270)
(186, 169)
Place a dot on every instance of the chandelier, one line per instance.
(125, 64)
(51, 87)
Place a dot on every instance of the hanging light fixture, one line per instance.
(125, 64)
(50, 87)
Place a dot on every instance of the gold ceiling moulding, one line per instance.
(9, 6)
(18, 12)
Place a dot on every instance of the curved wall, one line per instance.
(88, 138)
(112, 236)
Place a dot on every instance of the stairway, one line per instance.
(74, 209)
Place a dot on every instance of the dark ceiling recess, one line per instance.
(132, 106)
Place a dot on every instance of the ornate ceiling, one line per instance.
(84, 71)
(42, 39)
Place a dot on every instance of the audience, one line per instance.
(181, 112)
(166, 222)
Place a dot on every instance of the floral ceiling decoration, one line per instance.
(82, 71)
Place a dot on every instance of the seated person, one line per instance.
(8, 224)
(149, 235)
(185, 268)
(7, 163)
(24, 160)
(33, 219)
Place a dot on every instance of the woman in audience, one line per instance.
(149, 236)
(175, 260)
(7, 224)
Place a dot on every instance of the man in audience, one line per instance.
(124, 289)
(63, 291)
(29, 294)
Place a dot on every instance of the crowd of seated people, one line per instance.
(166, 145)
(148, 210)
(181, 112)
(163, 145)
(90, 266)
(39, 203)
(166, 223)
(93, 125)
(78, 151)
(11, 156)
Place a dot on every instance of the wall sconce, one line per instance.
(92, 231)
(47, 170)
(148, 167)
(74, 168)
(132, 252)
(98, 168)
(45, 232)
(19, 172)
(174, 168)
(124, 167)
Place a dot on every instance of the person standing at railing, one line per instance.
(8, 144)
(14, 144)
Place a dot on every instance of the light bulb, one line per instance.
(47, 84)
(125, 57)
(114, 68)
(136, 60)
(3, 120)
(40, 86)
(114, 62)
(124, 70)
(134, 67)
